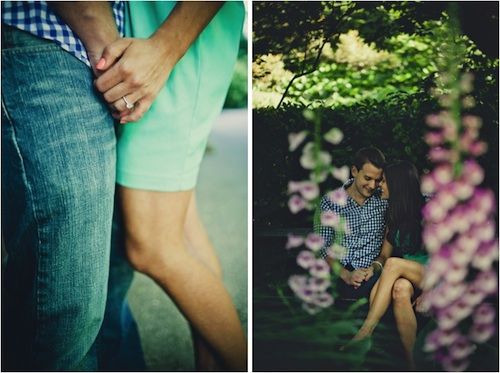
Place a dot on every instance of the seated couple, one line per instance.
(384, 259)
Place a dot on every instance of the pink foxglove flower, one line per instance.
(338, 196)
(336, 251)
(307, 161)
(320, 269)
(294, 241)
(454, 365)
(461, 348)
(481, 333)
(294, 186)
(295, 139)
(305, 294)
(296, 204)
(297, 282)
(314, 241)
(484, 314)
(319, 284)
(459, 233)
(341, 173)
(310, 308)
(330, 219)
(473, 172)
(323, 300)
(334, 136)
(309, 190)
(306, 259)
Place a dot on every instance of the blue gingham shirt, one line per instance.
(37, 18)
(365, 224)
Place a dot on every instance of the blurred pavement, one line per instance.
(222, 200)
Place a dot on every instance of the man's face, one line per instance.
(366, 180)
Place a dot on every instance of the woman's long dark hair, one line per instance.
(403, 213)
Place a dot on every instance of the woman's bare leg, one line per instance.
(373, 293)
(199, 245)
(155, 245)
(406, 321)
(394, 268)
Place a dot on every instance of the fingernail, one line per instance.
(101, 63)
(123, 121)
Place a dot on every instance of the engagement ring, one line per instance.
(129, 105)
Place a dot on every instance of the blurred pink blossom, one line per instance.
(481, 333)
(320, 269)
(473, 172)
(334, 136)
(338, 196)
(484, 314)
(319, 284)
(330, 219)
(323, 300)
(306, 259)
(336, 251)
(294, 241)
(461, 348)
(297, 282)
(309, 190)
(310, 308)
(341, 173)
(296, 204)
(314, 241)
(295, 139)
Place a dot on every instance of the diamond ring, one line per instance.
(128, 104)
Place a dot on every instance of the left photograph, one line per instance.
(124, 186)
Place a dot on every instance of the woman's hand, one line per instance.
(135, 69)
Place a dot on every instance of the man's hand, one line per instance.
(92, 21)
(370, 271)
(354, 278)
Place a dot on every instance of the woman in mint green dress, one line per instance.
(171, 79)
(403, 272)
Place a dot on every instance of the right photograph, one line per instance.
(375, 186)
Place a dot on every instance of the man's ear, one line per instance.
(354, 171)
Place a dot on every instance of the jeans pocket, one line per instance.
(15, 40)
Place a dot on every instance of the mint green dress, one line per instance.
(163, 151)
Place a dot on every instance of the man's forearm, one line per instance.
(92, 21)
(184, 24)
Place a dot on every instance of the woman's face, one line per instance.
(385, 188)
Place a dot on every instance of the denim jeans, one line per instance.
(58, 183)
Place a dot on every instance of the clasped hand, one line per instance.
(135, 69)
(356, 277)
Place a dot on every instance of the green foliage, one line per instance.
(237, 94)
(396, 50)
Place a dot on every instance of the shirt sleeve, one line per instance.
(327, 233)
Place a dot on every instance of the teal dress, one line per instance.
(163, 150)
(401, 245)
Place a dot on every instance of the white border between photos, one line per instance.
(248, 25)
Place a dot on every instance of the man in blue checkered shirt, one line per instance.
(363, 210)
(58, 184)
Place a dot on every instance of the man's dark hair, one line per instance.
(371, 155)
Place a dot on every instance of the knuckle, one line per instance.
(124, 70)
(134, 81)
(99, 85)
(107, 97)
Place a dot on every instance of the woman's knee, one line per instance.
(392, 264)
(152, 256)
(402, 290)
